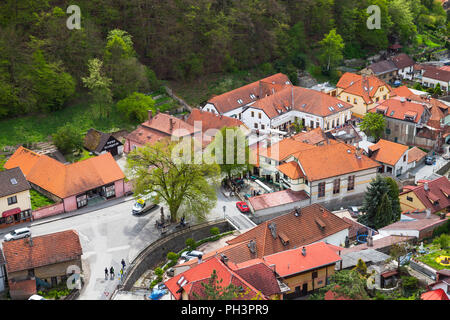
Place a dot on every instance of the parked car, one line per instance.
(430, 160)
(188, 255)
(36, 297)
(354, 212)
(141, 206)
(242, 206)
(18, 234)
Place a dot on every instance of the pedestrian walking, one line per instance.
(121, 274)
(106, 273)
(123, 264)
(111, 271)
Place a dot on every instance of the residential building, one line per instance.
(404, 119)
(72, 184)
(362, 92)
(312, 109)
(299, 227)
(232, 103)
(15, 201)
(347, 134)
(315, 137)
(279, 201)
(41, 261)
(385, 70)
(434, 76)
(392, 156)
(99, 142)
(213, 122)
(404, 65)
(304, 269)
(329, 173)
(433, 195)
(188, 285)
(156, 128)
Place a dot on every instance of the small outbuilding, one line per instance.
(99, 142)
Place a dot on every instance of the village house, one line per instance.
(404, 119)
(253, 280)
(404, 65)
(385, 70)
(362, 92)
(304, 269)
(434, 76)
(40, 261)
(162, 126)
(99, 142)
(440, 289)
(232, 103)
(73, 185)
(392, 156)
(433, 195)
(310, 108)
(15, 201)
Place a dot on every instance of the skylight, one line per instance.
(252, 96)
(331, 108)
(392, 113)
(240, 101)
(13, 181)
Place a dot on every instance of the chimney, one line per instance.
(428, 213)
(199, 259)
(150, 114)
(304, 251)
(171, 124)
(224, 258)
(425, 186)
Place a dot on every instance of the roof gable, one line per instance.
(12, 181)
(389, 152)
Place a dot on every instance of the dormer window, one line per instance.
(331, 108)
(240, 101)
(252, 96)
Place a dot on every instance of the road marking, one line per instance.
(118, 248)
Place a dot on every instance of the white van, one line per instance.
(18, 234)
(142, 205)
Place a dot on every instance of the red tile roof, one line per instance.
(436, 190)
(261, 277)
(211, 120)
(291, 169)
(267, 86)
(419, 224)
(415, 154)
(397, 109)
(438, 294)
(201, 273)
(292, 262)
(331, 295)
(389, 152)
(301, 230)
(46, 250)
(332, 160)
(278, 198)
(362, 86)
(314, 137)
(402, 61)
(437, 74)
(301, 99)
(283, 149)
(65, 180)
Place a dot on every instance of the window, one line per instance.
(336, 186)
(311, 124)
(384, 97)
(351, 183)
(355, 101)
(110, 191)
(263, 127)
(321, 189)
(404, 158)
(348, 99)
(259, 115)
(252, 114)
(12, 200)
(256, 126)
(314, 274)
(377, 99)
(81, 201)
(388, 131)
(409, 199)
(337, 122)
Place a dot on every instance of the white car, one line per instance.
(18, 234)
(36, 297)
(188, 255)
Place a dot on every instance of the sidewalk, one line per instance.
(66, 215)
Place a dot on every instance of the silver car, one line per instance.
(18, 234)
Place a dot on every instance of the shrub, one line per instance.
(443, 241)
(191, 244)
(68, 138)
(172, 256)
(214, 231)
(159, 271)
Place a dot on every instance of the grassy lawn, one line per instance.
(38, 200)
(36, 128)
(430, 259)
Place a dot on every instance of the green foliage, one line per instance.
(213, 290)
(186, 186)
(214, 231)
(346, 283)
(38, 200)
(373, 124)
(443, 241)
(444, 228)
(361, 267)
(136, 106)
(172, 256)
(159, 271)
(331, 48)
(68, 139)
(191, 244)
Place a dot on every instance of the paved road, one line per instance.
(111, 233)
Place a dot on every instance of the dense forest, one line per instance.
(124, 46)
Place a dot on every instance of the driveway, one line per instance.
(424, 171)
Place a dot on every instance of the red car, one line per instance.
(242, 206)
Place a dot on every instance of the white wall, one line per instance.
(249, 121)
(393, 232)
(428, 82)
(404, 72)
(336, 239)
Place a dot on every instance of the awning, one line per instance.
(8, 213)
(389, 274)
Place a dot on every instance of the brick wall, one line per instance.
(48, 211)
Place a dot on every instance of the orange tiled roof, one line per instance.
(259, 89)
(415, 154)
(291, 262)
(300, 230)
(397, 109)
(284, 148)
(438, 294)
(301, 99)
(332, 160)
(362, 86)
(291, 169)
(211, 120)
(315, 136)
(389, 152)
(65, 180)
(46, 250)
(277, 198)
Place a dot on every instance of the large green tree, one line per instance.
(136, 106)
(173, 178)
(99, 87)
(373, 124)
(348, 284)
(331, 48)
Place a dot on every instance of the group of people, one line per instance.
(111, 271)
